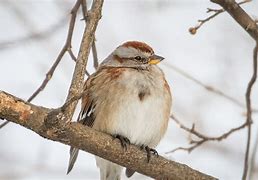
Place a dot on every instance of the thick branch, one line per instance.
(46, 122)
(77, 81)
(240, 16)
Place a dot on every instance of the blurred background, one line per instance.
(219, 55)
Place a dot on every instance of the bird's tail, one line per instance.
(73, 156)
(108, 170)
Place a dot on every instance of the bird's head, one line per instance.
(133, 54)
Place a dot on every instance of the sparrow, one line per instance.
(129, 98)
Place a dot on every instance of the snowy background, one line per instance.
(220, 55)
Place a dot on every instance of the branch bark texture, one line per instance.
(93, 18)
(48, 124)
(240, 16)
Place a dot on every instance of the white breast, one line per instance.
(142, 121)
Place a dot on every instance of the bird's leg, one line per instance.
(123, 140)
(149, 151)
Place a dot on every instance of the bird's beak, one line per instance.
(155, 59)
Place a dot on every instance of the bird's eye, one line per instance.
(138, 58)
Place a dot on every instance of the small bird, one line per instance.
(129, 98)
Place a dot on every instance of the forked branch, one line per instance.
(88, 36)
(48, 124)
(67, 47)
(216, 12)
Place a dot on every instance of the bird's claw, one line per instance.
(123, 140)
(149, 151)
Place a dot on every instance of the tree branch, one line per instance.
(67, 47)
(209, 88)
(249, 110)
(202, 138)
(78, 76)
(193, 30)
(241, 17)
(94, 48)
(48, 124)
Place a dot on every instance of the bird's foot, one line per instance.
(123, 140)
(149, 151)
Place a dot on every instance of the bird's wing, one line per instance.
(87, 106)
(85, 117)
(87, 114)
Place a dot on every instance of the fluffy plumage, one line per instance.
(128, 96)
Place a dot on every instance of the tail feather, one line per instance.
(129, 172)
(108, 170)
(73, 156)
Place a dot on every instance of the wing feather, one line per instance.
(85, 117)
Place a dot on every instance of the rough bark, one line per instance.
(93, 18)
(48, 124)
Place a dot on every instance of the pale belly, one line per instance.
(142, 122)
(122, 111)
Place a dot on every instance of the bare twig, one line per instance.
(252, 164)
(249, 110)
(66, 47)
(81, 62)
(208, 88)
(94, 49)
(72, 55)
(250, 26)
(74, 59)
(240, 16)
(193, 30)
(94, 54)
(203, 138)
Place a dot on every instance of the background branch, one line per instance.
(241, 17)
(94, 48)
(78, 76)
(198, 136)
(67, 47)
(249, 110)
(193, 30)
(47, 123)
(203, 138)
(246, 22)
(208, 87)
(250, 26)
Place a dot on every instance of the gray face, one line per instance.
(130, 56)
